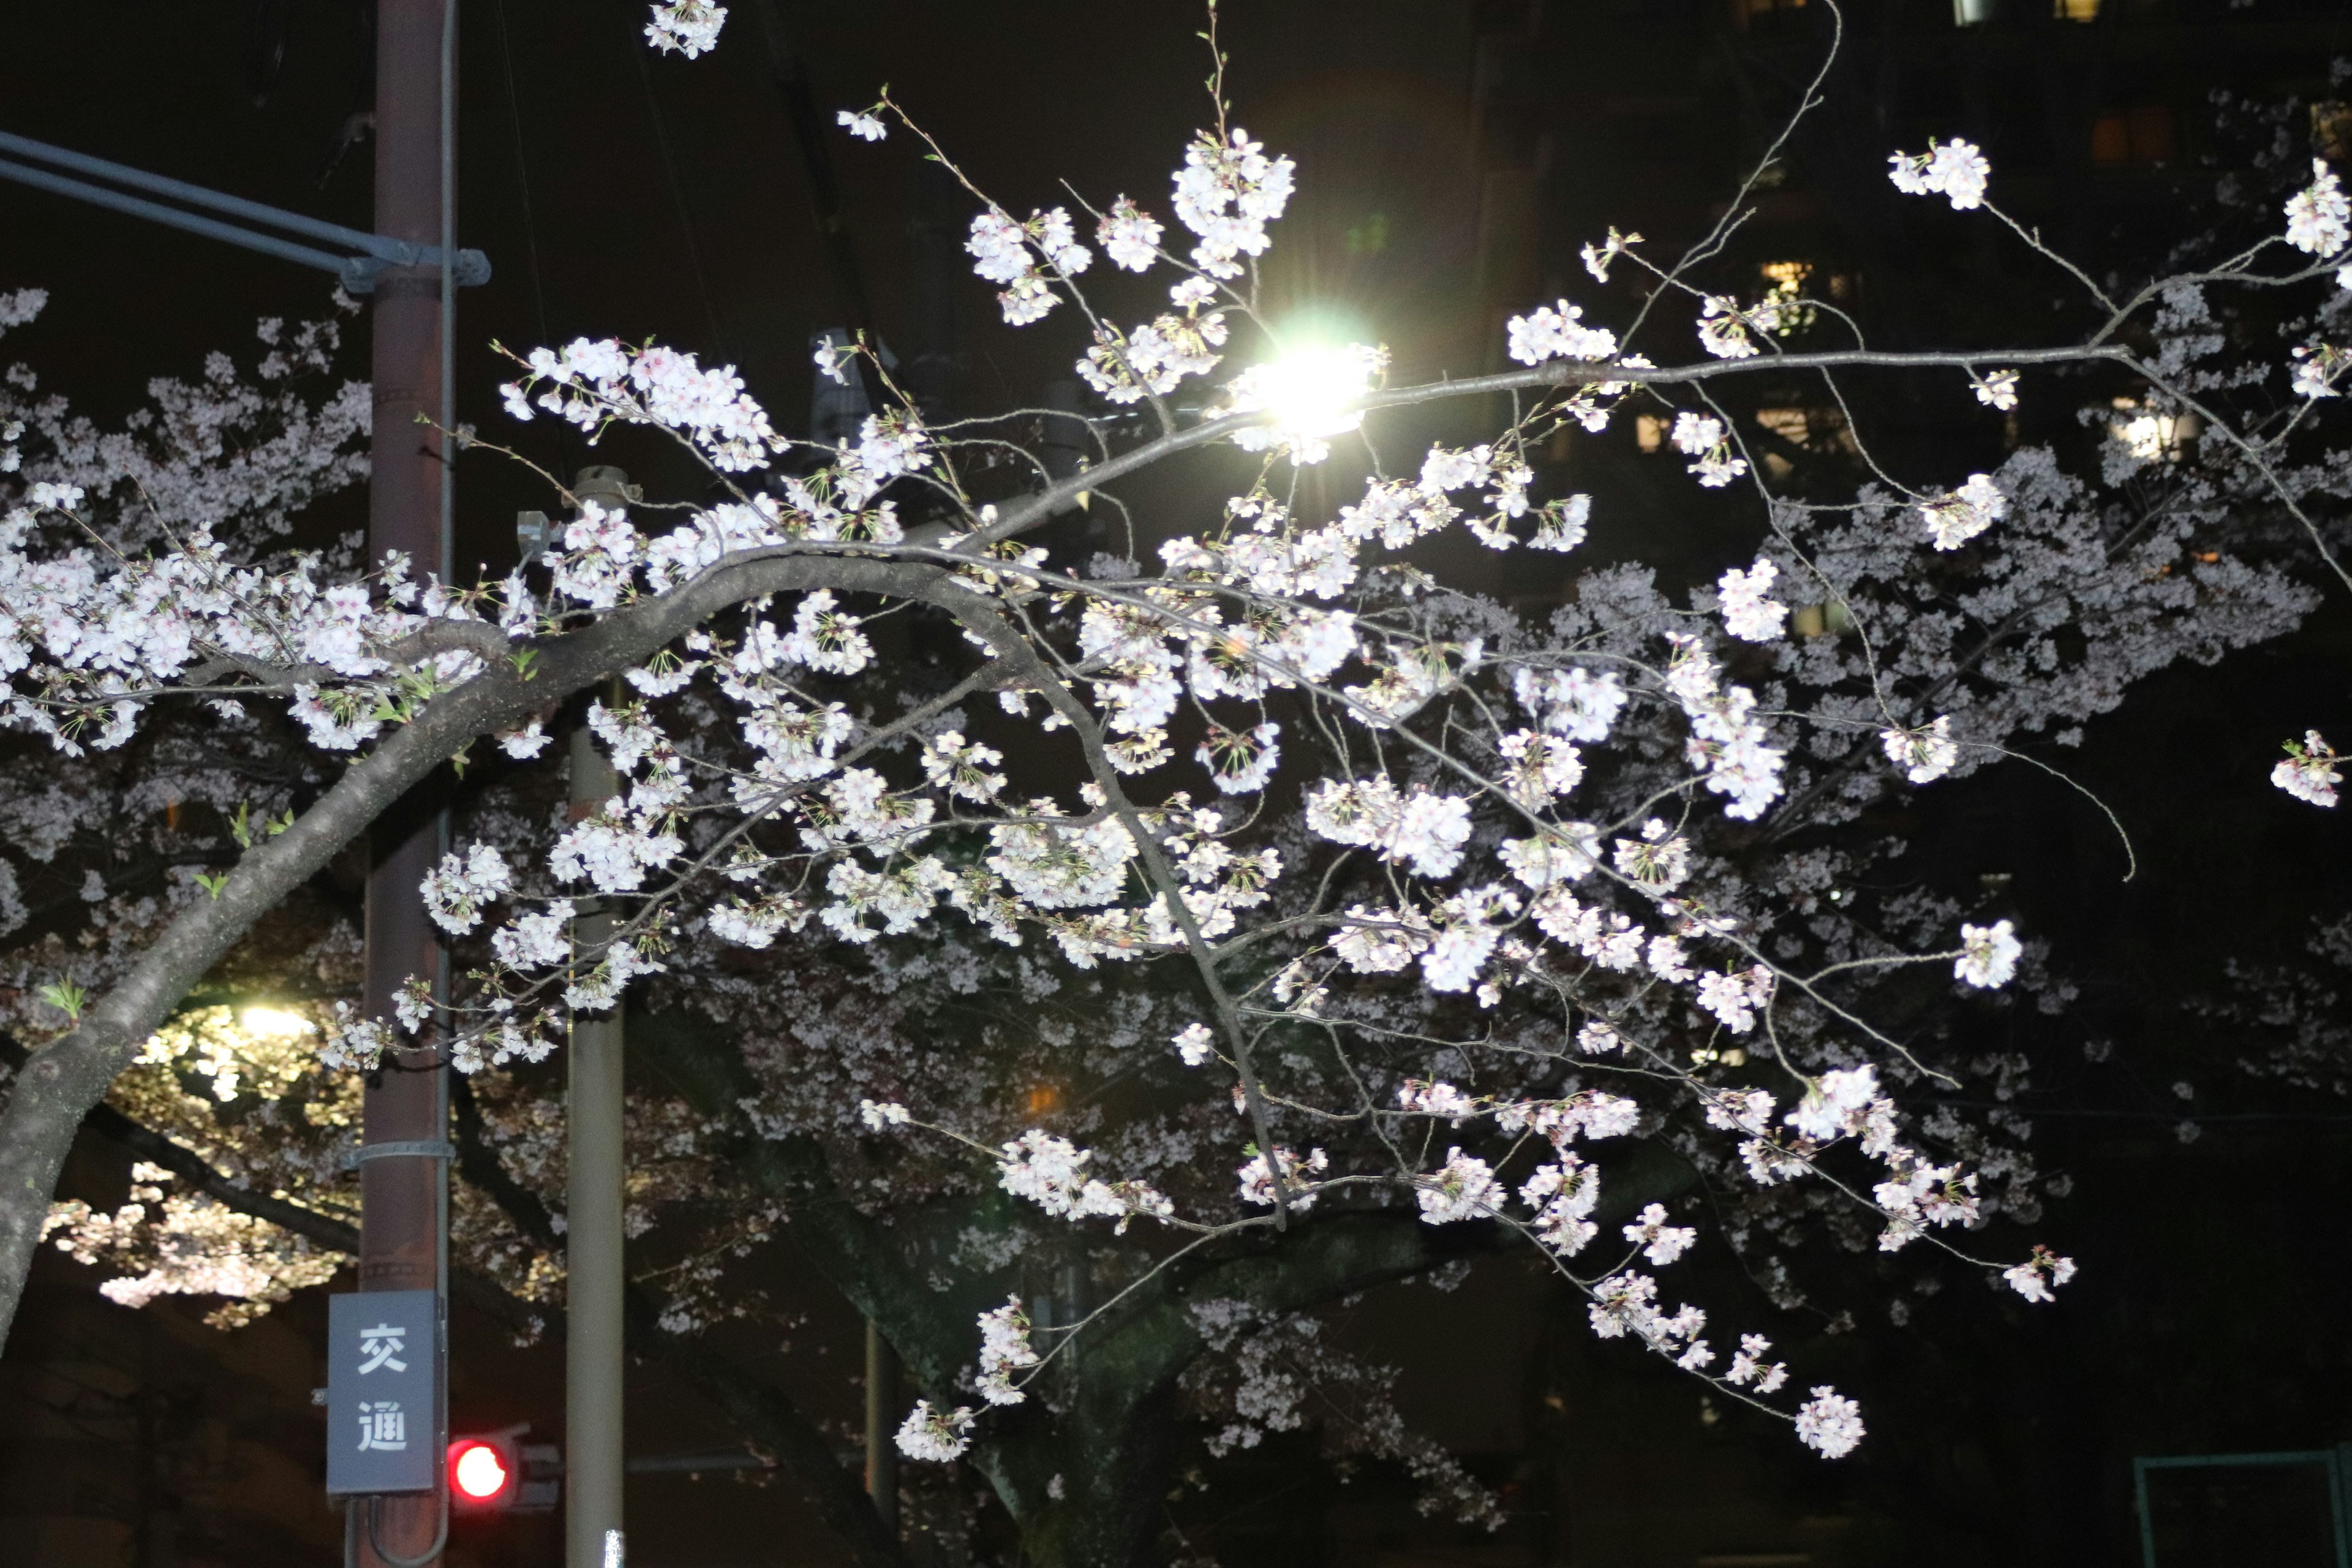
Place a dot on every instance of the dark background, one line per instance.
(1452, 155)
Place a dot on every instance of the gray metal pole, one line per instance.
(594, 1282)
(881, 1423)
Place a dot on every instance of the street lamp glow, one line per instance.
(273, 1023)
(1313, 393)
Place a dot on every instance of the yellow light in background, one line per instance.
(273, 1023)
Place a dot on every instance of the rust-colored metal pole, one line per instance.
(401, 1197)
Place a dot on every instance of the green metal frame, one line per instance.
(2337, 1462)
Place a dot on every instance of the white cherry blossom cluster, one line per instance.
(2308, 771)
(689, 27)
(1005, 1352)
(592, 383)
(1227, 193)
(1954, 518)
(2319, 216)
(1954, 169)
(1557, 332)
(1015, 256)
(1703, 436)
(1925, 753)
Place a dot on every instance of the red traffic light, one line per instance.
(477, 1471)
(497, 1472)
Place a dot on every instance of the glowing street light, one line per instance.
(1314, 393)
(273, 1023)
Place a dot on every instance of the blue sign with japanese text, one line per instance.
(384, 1381)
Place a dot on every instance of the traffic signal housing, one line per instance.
(497, 1472)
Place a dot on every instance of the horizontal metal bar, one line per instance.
(400, 1149)
(696, 1463)
(237, 206)
(137, 206)
(2199, 1461)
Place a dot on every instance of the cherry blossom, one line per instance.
(2308, 770)
(1953, 169)
(689, 27)
(2319, 216)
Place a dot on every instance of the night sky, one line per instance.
(624, 193)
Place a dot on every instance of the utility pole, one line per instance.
(881, 1419)
(404, 1198)
(593, 1235)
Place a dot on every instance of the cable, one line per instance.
(565, 465)
(448, 290)
(678, 199)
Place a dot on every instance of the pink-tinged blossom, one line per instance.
(2317, 368)
(1661, 1243)
(1560, 525)
(1658, 860)
(1128, 236)
(2036, 1278)
(1750, 1367)
(1574, 703)
(1464, 1188)
(931, 1433)
(1925, 753)
(1730, 999)
(1745, 1110)
(1227, 193)
(1240, 762)
(1834, 1102)
(2308, 770)
(1830, 1424)
(1538, 768)
(1257, 1180)
(1563, 1195)
(1722, 330)
(1703, 436)
(2319, 216)
(1953, 169)
(1051, 1172)
(1435, 1098)
(1989, 956)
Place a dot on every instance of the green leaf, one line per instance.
(67, 997)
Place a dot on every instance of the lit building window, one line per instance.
(1650, 431)
(2149, 435)
(1969, 13)
(2074, 10)
(2331, 131)
(1818, 430)
(2142, 135)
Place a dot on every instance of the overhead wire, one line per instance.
(678, 195)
